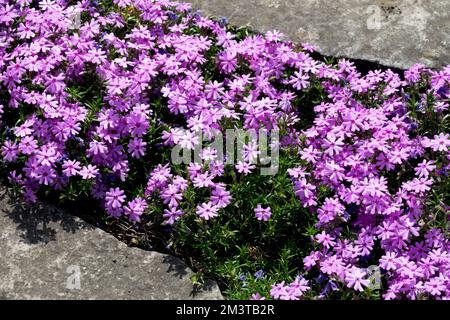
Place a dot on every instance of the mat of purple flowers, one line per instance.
(94, 94)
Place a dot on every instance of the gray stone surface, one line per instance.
(41, 252)
(395, 33)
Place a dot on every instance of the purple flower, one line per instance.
(71, 168)
(257, 296)
(440, 142)
(259, 274)
(355, 279)
(136, 147)
(262, 214)
(244, 167)
(172, 215)
(135, 208)
(207, 210)
(10, 151)
(114, 198)
(278, 290)
(325, 239)
(220, 197)
(89, 172)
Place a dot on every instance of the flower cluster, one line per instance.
(292, 291)
(355, 151)
(93, 95)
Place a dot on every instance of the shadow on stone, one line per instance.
(208, 285)
(180, 270)
(176, 267)
(4, 295)
(34, 220)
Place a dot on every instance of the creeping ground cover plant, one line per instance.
(95, 96)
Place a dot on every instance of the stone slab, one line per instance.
(48, 254)
(396, 33)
